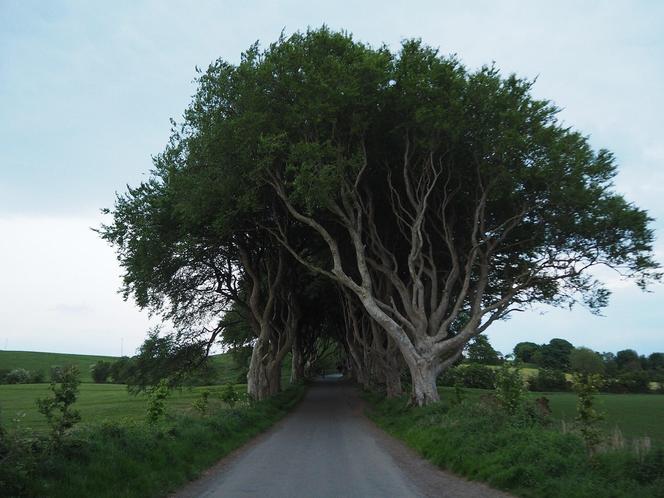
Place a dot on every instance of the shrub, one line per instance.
(201, 404)
(629, 382)
(480, 440)
(132, 459)
(229, 395)
(473, 375)
(586, 361)
(548, 380)
(18, 376)
(57, 409)
(38, 377)
(585, 387)
(509, 388)
(101, 371)
(157, 401)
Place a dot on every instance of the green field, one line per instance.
(96, 402)
(35, 361)
(636, 415)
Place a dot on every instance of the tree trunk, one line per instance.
(423, 377)
(258, 379)
(297, 366)
(393, 387)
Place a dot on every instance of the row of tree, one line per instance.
(560, 354)
(397, 204)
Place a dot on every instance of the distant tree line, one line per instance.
(623, 372)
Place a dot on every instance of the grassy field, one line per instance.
(96, 402)
(521, 454)
(134, 459)
(36, 361)
(635, 415)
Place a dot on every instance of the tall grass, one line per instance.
(132, 459)
(522, 453)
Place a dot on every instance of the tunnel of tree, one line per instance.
(323, 191)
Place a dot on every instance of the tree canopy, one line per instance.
(426, 199)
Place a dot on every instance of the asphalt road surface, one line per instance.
(327, 448)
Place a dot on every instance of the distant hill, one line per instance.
(36, 361)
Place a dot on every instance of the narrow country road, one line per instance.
(328, 448)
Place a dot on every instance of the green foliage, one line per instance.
(298, 121)
(524, 351)
(58, 407)
(96, 402)
(510, 389)
(202, 403)
(229, 395)
(157, 401)
(18, 376)
(479, 440)
(554, 355)
(636, 381)
(121, 370)
(628, 360)
(133, 459)
(479, 350)
(36, 362)
(101, 371)
(548, 380)
(585, 361)
(470, 375)
(586, 386)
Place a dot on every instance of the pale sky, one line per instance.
(87, 90)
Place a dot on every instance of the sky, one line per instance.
(87, 90)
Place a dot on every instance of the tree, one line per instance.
(440, 199)
(18, 376)
(524, 351)
(554, 355)
(101, 371)
(586, 361)
(58, 407)
(628, 360)
(479, 350)
(656, 361)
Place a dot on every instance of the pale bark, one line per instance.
(419, 305)
(297, 364)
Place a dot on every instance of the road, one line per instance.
(328, 448)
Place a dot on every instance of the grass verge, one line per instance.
(523, 453)
(132, 459)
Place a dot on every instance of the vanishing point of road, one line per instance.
(327, 448)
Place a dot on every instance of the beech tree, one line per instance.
(438, 199)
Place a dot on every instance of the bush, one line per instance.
(509, 388)
(229, 395)
(101, 371)
(18, 376)
(132, 459)
(202, 403)
(38, 377)
(57, 409)
(478, 439)
(587, 417)
(157, 401)
(629, 382)
(549, 380)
